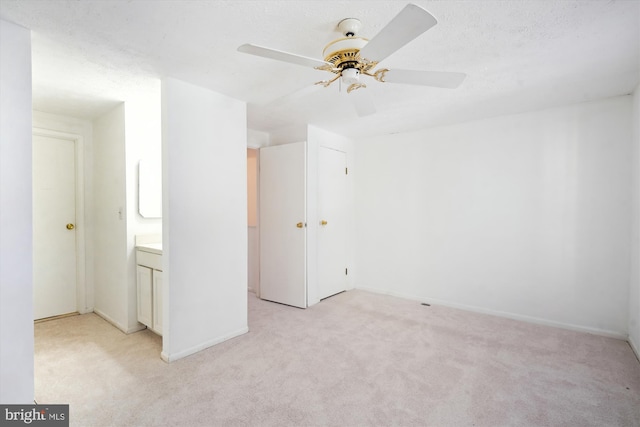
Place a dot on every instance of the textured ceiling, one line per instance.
(518, 55)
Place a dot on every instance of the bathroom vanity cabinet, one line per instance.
(149, 283)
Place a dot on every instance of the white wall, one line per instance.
(83, 128)
(289, 134)
(122, 137)
(257, 139)
(16, 283)
(143, 140)
(204, 141)
(634, 288)
(525, 216)
(111, 282)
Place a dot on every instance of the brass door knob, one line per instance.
(323, 222)
(70, 226)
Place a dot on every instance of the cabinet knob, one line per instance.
(323, 222)
(70, 226)
(300, 225)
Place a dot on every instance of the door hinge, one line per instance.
(346, 171)
(346, 271)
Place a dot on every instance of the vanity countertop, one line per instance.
(154, 248)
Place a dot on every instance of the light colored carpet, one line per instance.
(356, 359)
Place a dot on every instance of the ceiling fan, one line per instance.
(351, 57)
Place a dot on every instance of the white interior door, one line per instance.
(332, 214)
(283, 224)
(54, 234)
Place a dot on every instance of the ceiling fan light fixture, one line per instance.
(350, 76)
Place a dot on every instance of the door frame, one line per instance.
(78, 143)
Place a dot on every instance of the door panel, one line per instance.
(54, 245)
(282, 207)
(332, 208)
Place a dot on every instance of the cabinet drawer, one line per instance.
(149, 260)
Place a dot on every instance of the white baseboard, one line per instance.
(126, 330)
(513, 316)
(110, 320)
(188, 352)
(138, 327)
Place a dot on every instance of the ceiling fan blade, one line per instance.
(362, 101)
(425, 78)
(279, 55)
(406, 26)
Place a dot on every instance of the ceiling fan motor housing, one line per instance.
(343, 53)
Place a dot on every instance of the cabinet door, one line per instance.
(283, 224)
(157, 302)
(144, 282)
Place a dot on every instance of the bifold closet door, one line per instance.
(283, 224)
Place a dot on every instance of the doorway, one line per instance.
(253, 255)
(58, 224)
